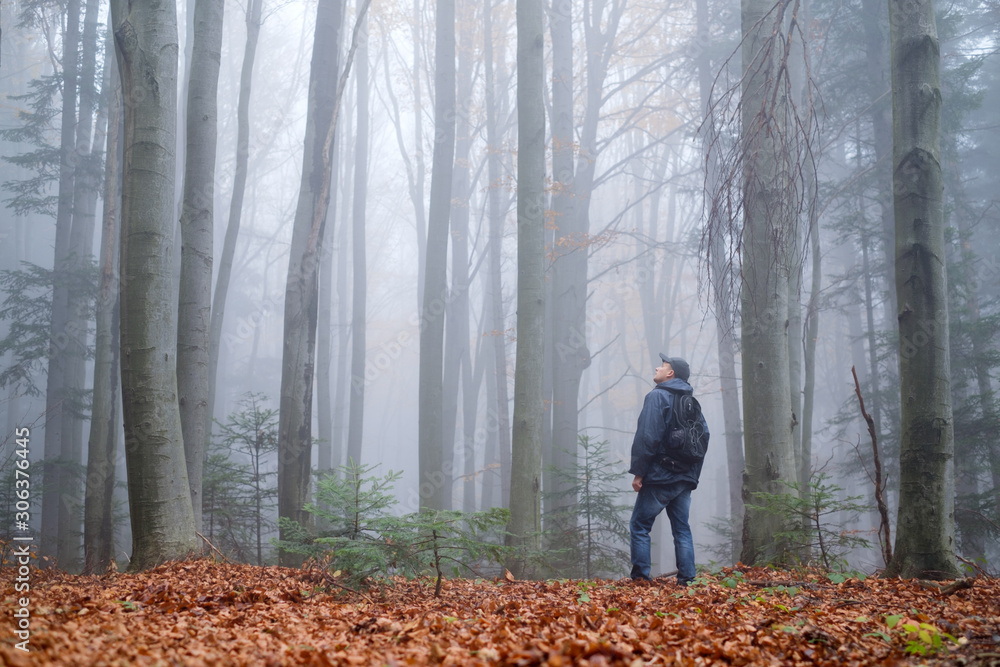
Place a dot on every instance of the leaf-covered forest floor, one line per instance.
(204, 613)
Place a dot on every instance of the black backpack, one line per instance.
(686, 442)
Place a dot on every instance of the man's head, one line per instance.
(681, 369)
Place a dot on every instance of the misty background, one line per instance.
(641, 201)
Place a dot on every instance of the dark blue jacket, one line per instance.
(650, 433)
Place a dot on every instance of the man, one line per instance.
(660, 482)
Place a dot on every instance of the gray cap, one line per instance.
(682, 370)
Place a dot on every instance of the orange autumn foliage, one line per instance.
(204, 613)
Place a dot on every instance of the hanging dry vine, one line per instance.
(785, 126)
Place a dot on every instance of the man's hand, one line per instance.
(637, 484)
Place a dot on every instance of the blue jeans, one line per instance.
(676, 499)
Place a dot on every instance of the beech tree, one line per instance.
(330, 439)
(762, 188)
(526, 446)
(433, 490)
(56, 393)
(359, 300)
(496, 487)
(724, 283)
(197, 230)
(98, 525)
(767, 411)
(458, 364)
(605, 77)
(925, 532)
(63, 183)
(570, 245)
(88, 149)
(570, 355)
(159, 496)
(253, 21)
(301, 289)
(298, 359)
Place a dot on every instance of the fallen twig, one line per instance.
(957, 585)
(769, 583)
(976, 566)
(213, 547)
(954, 586)
(847, 603)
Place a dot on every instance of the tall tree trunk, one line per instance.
(811, 337)
(197, 231)
(723, 277)
(301, 288)
(874, 389)
(654, 296)
(568, 282)
(794, 326)
(874, 392)
(458, 361)
(472, 377)
(973, 538)
(185, 59)
(419, 175)
(343, 385)
(98, 532)
(925, 532)
(433, 478)
(496, 482)
(799, 95)
(159, 496)
(876, 38)
(570, 354)
(798, 99)
(767, 412)
(359, 301)
(525, 491)
(56, 395)
(253, 21)
(979, 337)
(327, 460)
(81, 240)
